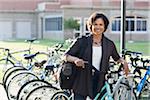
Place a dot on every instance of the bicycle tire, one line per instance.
(5, 64)
(17, 82)
(29, 86)
(124, 93)
(145, 91)
(42, 93)
(10, 71)
(11, 75)
(61, 95)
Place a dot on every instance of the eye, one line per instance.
(100, 24)
(94, 24)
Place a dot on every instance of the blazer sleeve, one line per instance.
(74, 49)
(115, 54)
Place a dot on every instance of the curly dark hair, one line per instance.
(94, 17)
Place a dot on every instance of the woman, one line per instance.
(91, 77)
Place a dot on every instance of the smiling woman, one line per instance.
(99, 49)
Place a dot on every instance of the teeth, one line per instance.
(97, 29)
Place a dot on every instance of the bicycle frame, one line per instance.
(110, 94)
(9, 60)
(142, 82)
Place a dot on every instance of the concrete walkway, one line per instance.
(3, 93)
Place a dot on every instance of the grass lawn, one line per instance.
(143, 47)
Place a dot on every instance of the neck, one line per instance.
(97, 40)
(97, 37)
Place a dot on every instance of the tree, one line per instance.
(71, 24)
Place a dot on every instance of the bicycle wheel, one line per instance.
(61, 95)
(10, 71)
(29, 86)
(11, 75)
(42, 93)
(145, 93)
(17, 82)
(124, 92)
(4, 65)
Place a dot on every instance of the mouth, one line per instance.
(97, 30)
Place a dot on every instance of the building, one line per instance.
(22, 19)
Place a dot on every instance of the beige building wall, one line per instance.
(26, 21)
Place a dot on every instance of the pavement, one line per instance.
(3, 94)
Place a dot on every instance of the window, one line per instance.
(116, 25)
(53, 24)
(141, 25)
(133, 24)
(130, 25)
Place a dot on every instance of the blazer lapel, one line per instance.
(104, 53)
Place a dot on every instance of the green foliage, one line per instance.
(71, 24)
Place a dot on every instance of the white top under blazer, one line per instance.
(97, 55)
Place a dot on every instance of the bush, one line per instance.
(71, 24)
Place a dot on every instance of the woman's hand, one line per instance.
(79, 63)
(126, 69)
(125, 66)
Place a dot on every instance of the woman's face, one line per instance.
(98, 26)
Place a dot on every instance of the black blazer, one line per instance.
(83, 82)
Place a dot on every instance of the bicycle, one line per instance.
(11, 71)
(14, 76)
(15, 79)
(141, 84)
(10, 62)
(42, 75)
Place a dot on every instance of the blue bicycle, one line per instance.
(142, 84)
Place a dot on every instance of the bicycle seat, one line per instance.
(30, 56)
(31, 40)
